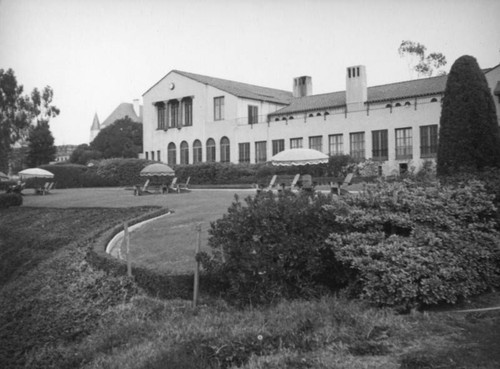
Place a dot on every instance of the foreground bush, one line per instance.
(400, 244)
(10, 199)
(273, 248)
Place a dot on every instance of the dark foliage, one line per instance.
(10, 199)
(41, 145)
(469, 135)
(122, 139)
(83, 154)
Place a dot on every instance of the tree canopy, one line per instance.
(122, 139)
(469, 135)
(418, 61)
(41, 145)
(15, 115)
(83, 154)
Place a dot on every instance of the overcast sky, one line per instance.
(96, 54)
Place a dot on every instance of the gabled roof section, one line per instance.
(496, 91)
(123, 110)
(240, 89)
(95, 124)
(389, 92)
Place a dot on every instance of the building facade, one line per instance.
(191, 118)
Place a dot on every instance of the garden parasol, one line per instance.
(157, 169)
(299, 157)
(35, 173)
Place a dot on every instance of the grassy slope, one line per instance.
(55, 311)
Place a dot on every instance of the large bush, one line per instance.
(122, 172)
(401, 244)
(10, 199)
(410, 245)
(273, 248)
(469, 136)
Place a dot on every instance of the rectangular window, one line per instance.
(219, 108)
(152, 155)
(316, 143)
(158, 157)
(147, 154)
(188, 111)
(173, 110)
(244, 152)
(428, 141)
(278, 146)
(357, 143)
(380, 150)
(296, 143)
(161, 115)
(253, 114)
(335, 145)
(261, 152)
(404, 143)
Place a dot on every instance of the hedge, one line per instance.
(155, 283)
(10, 199)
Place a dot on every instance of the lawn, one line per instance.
(56, 311)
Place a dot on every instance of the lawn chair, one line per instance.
(183, 186)
(293, 185)
(173, 186)
(338, 189)
(270, 187)
(48, 189)
(43, 190)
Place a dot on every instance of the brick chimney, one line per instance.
(302, 86)
(356, 91)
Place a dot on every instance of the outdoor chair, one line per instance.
(183, 186)
(173, 186)
(338, 189)
(270, 187)
(43, 190)
(293, 186)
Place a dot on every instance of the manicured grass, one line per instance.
(58, 312)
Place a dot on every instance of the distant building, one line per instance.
(64, 152)
(132, 110)
(191, 118)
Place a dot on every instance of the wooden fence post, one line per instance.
(197, 268)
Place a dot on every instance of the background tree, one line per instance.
(15, 115)
(469, 135)
(40, 139)
(122, 139)
(418, 61)
(83, 154)
(41, 149)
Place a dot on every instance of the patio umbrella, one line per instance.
(157, 169)
(299, 157)
(35, 173)
(3, 176)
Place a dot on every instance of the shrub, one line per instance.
(412, 245)
(273, 248)
(122, 172)
(10, 199)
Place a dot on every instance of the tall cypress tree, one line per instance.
(469, 135)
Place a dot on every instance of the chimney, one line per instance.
(356, 89)
(137, 108)
(302, 86)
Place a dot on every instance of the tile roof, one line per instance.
(392, 91)
(122, 110)
(240, 89)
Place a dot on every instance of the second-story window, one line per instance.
(161, 115)
(187, 103)
(219, 108)
(173, 114)
(253, 114)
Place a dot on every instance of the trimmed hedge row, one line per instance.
(10, 199)
(153, 282)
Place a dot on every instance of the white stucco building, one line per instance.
(190, 118)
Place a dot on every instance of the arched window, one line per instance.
(276, 119)
(327, 113)
(284, 118)
(318, 114)
(210, 150)
(434, 99)
(197, 152)
(388, 106)
(407, 103)
(184, 152)
(171, 158)
(290, 117)
(311, 115)
(224, 150)
(397, 105)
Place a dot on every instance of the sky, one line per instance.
(96, 54)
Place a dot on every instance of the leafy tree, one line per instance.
(41, 145)
(15, 115)
(40, 139)
(418, 61)
(122, 139)
(83, 154)
(469, 135)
